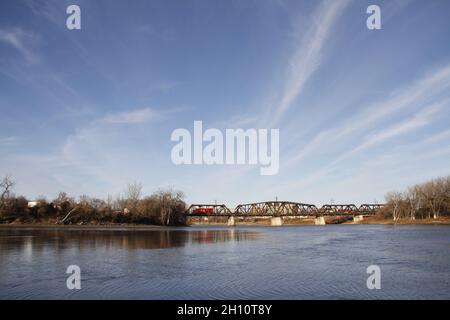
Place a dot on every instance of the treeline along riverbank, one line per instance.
(164, 207)
(428, 202)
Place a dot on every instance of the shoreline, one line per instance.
(84, 226)
(306, 222)
(380, 221)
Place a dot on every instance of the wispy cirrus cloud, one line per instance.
(421, 119)
(426, 89)
(10, 141)
(96, 149)
(327, 69)
(308, 56)
(305, 60)
(438, 137)
(143, 115)
(88, 134)
(48, 9)
(19, 40)
(166, 86)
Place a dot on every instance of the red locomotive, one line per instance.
(203, 211)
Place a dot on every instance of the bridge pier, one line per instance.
(276, 221)
(231, 222)
(358, 218)
(320, 221)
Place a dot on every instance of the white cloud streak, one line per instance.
(423, 118)
(308, 55)
(132, 117)
(17, 38)
(423, 90)
(9, 141)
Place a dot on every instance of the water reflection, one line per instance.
(32, 240)
(323, 262)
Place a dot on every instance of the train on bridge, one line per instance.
(281, 209)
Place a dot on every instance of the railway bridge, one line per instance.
(278, 210)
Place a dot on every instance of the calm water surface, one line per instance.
(301, 262)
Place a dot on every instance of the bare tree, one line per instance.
(120, 203)
(84, 200)
(395, 199)
(64, 198)
(432, 197)
(433, 193)
(133, 195)
(5, 190)
(169, 201)
(447, 193)
(414, 201)
(109, 201)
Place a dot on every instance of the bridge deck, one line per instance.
(281, 209)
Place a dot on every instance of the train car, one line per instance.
(203, 211)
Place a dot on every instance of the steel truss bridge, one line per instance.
(281, 209)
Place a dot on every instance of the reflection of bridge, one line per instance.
(279, 209)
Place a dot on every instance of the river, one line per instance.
(292, 262)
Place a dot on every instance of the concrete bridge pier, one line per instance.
(320, 221)
(231, 222)
(276, 221)
(358, 218)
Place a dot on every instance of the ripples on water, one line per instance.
(304, 262)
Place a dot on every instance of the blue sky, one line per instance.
(361, 112)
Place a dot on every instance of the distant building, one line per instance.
(32, 204)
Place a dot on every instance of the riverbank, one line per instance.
(81, 226)
(379, 220)
(241, 222)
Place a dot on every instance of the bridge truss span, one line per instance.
(276, 209)
(208, 210)
(370, 208)
(281, 209)
(338, 209)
